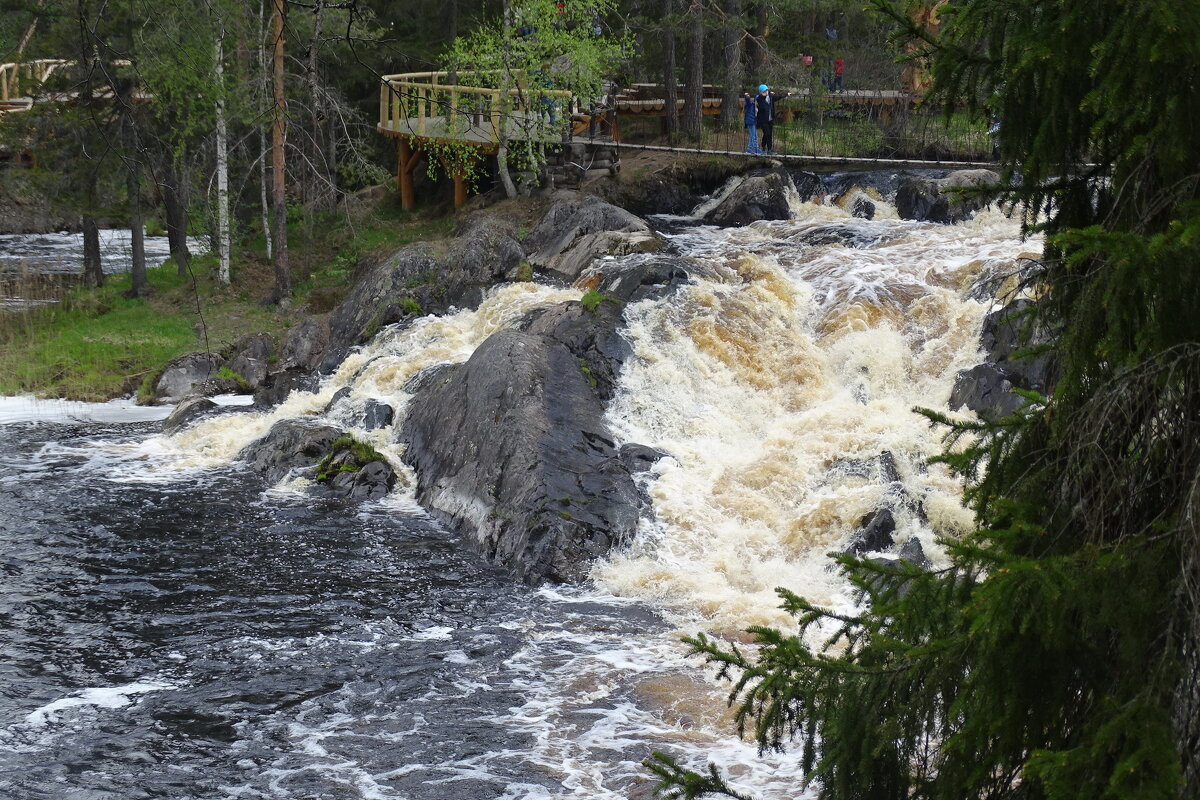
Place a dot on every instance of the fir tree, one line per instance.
(1058, 656)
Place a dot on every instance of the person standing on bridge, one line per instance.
(765, 114)
(839, 69)
(750, 118)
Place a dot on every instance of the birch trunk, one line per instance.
(223, 243)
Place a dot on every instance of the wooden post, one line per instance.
(460, 190)
(406, 161)
(396, 117)
(383, 104)
(421, 111)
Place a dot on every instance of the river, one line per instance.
(176, 628)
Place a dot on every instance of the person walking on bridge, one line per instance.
(750, 118)
(765, 116)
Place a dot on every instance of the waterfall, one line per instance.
(775, 390)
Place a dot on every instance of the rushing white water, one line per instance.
(775, 390)
(774, 387)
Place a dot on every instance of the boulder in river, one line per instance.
(290, 444)
(188, 412)
(184, 376)
(1015, 346)
(756, 197)
(946, 200)
(512, 450)
(576, 230)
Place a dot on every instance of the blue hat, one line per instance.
(762, 87)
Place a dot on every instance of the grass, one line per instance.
(95, 344)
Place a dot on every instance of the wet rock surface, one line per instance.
(290, 444)
(187, 412)
(936, 199)
(756, 197)
(578, 229)
(1013, 343)
(184, 376)
(511, 448)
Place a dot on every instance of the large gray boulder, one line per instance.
(756, 197)
(249, 358)
(1014, 345)
(185, 376)
(290, 444)
(577, 230)
(946, 200)
(511, 448)
(420, 279)
(304, 343)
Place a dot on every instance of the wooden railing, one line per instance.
(421, 104)
(26, 75)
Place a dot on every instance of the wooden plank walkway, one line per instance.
(814, 161)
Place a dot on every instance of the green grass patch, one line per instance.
(346, 454)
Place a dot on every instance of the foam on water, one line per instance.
(775, 392)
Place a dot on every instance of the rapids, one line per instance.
(176, 629)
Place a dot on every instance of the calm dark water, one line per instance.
(202, 638)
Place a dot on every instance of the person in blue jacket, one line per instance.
(750, 118)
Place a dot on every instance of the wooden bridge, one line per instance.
(22, 84)
(425, 111)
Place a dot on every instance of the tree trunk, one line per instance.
(671, 90)
(730, 118)
(175, 206)
(283, 276)
(133, 195)
(510, 191)
(693, 105)
(318, 184)
(93, 274)
(262, 134)
(223, 243)
(756, 49)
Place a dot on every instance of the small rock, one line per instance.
(874, 533)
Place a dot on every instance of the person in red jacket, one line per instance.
(839, 68)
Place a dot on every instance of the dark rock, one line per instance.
(912, 552)
(377, 415)
(936, 199)
(874, 533)
(437, 374)
(809, 186)
(887, 468)
(985, 390)
(862, 207)
(511, 449)
(591, 336)
(278, 385)
(249, 358)
(485, 251)
(373, 481)
(375, 300)
(304, 343)
(657, 194)
(338, 396)
(640, 457)
(654, 277)
(756, 197)
(184, 376)
(290, 444)
(186, 413)
(1010, 331)
(575, 231)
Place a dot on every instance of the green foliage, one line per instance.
(227, 374)
(1058, 657)
(410, 306)
(592, 299)
(346, 454)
